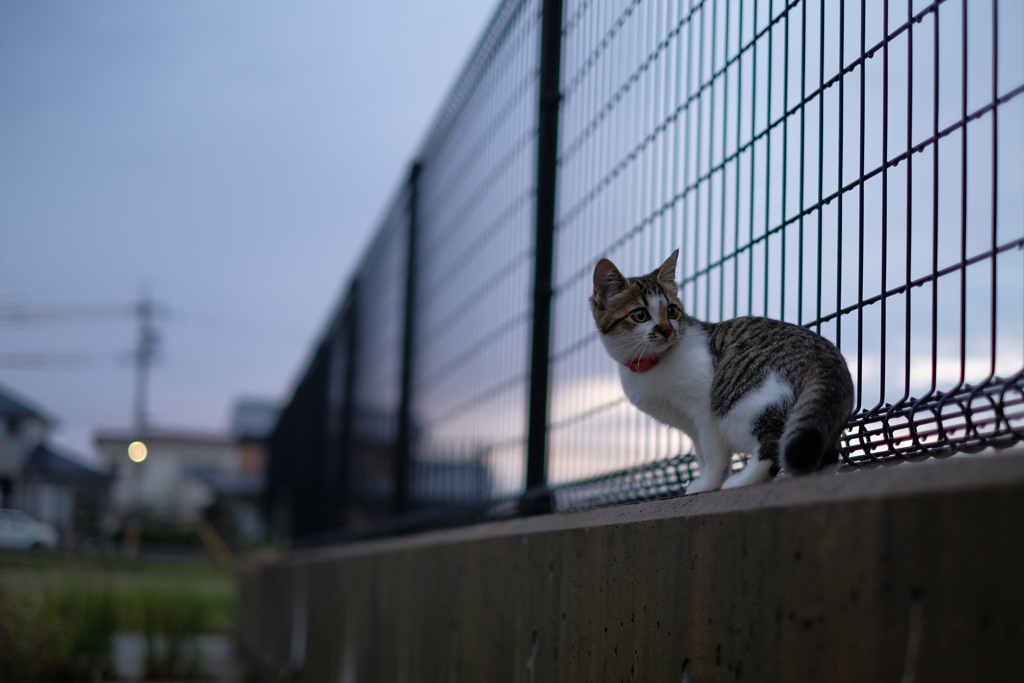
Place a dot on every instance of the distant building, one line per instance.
(168, 482)
(22, 428)
(59, 489)
(186, 475)
(237, 514)
(42, 481)
(252, 422)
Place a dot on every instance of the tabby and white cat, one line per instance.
(749, 385)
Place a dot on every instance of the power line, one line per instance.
(143, 356)
(28, 314)
(32, 360)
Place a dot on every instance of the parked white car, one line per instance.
(18, 530)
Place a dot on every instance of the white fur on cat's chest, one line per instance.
(676, 391)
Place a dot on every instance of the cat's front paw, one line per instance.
(703, 484)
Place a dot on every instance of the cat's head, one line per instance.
(638, 317)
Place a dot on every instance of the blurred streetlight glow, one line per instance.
(137, 451)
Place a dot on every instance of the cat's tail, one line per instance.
(810, 439)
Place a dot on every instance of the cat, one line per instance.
(774, 390)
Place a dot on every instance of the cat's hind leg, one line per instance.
(764, 461)
(756, 471)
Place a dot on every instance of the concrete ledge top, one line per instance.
(961, 473)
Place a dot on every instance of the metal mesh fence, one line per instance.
(844, 166)
(473, 272)
(854, 167)
(378, 300)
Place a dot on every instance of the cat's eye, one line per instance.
(673, 311)
(640, 315)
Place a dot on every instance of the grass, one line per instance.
(130, 583)
(59, 633)
(58, 614)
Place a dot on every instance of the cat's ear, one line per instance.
(608, 281)
(666, 272)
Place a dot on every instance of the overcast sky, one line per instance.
(230, 157)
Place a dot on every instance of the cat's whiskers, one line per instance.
(630, 343)
(643, 349)
(640, 344)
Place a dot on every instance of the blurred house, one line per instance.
(236, 512)
(43, 481)
(59, 489)
(183, 476)
(22, 427)
(165, 479)
(251, 423)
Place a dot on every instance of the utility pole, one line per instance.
(145, 354)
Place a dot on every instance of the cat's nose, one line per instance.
(664, 330)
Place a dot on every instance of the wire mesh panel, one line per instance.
(933, 306)
(620, 73)
(379, 301)
(297, 496)
(473, 267)
(854, 167)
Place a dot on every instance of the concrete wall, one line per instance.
(908, 573)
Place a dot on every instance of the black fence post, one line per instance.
(538, 497)
(403, 450)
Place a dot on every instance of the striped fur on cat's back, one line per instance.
(749, 385)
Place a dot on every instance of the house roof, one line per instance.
(12, 405)
(179, 436)
(54, 466)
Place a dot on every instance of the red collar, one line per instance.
(642, 365)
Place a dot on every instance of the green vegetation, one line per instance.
(129, 582)
(58, 614)
(57, 633)
(170, 623)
